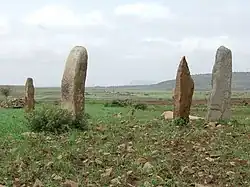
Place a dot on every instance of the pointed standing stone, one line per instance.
(29, 95)
(183, 93)
(73, 81)
(219, 104)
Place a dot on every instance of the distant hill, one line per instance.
(240, 82)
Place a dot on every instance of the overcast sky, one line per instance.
(126, 40)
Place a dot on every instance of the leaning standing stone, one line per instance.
(219, 104)
(183, 92)
(29, 95)
(73, 81)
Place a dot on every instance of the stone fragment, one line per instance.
(169, 115)
(29, 95)
(69, 183)
(183, 93)
(147, 167)
(73, 81)
(38, 183)
(107, 173)
(219, 104)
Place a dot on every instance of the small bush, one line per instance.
(54, 119)
(180, 122)
(140, 106)
(119, 103)
(5, 91)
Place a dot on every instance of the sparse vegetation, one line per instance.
(119, 150)
(125, 144)
(140, 106)
(180, 122)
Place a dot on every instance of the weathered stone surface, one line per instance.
(219, 104)
(69, 183)
(183, 93)
(29, 95)
(169, 115)
(38, 183)
(73, 81)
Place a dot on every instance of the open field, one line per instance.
(119, 149)
(105, 94)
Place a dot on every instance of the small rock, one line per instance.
(230, 173)
(141, 160)
(210, 159)
(129, 172)
(69, 183)
(214, 156)
(147, 168)
(201, 185)
(56, 177)
(130, 149)
(107, 172)
(49, 164)
(17, 182)
(29, 134)
(147, 184)
(232, 163)
(160, 179)
(99, 162)
(200, 174)
(38, 183)
(122, 146)
(219, 126)
(212, 124)
(115, 181)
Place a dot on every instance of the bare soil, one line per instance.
(234, 101)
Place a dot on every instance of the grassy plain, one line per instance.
(121, 149)
(53, 93)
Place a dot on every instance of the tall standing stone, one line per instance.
(73, 81)
(29, 95)
(183, 92)
(219, 104)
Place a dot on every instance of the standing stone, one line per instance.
(73, 81)
(29, 95)
(183, 93)
(219, 104)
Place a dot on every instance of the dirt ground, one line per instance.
(234, 101)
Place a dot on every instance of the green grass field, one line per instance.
(52, 94)
(119, 149)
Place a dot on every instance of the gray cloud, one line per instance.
(123, 46)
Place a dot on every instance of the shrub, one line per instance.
(118, 103)
(140, 106)
(180, 122)
(5, 91)
(54, 119)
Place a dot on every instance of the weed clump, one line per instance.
(5, 91)
(119, 103)
(140, 106)
(55, 120)
(180, 122)
(126, 103)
